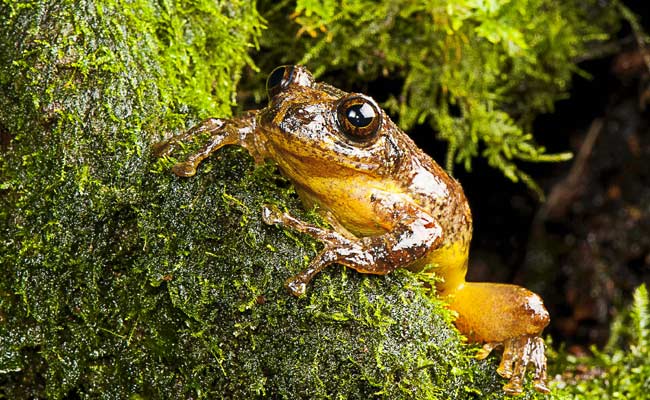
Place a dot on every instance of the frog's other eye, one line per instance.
(358, 117)
(279, 80)
(288, 77)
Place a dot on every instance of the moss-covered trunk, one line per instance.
(119, 279)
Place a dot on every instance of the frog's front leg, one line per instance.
(408, 241)
(507, 316)
(220, 132)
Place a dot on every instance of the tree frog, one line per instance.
(388, 203)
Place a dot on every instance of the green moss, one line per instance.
(621, 369)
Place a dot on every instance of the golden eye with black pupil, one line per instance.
(278, 80)
(358, 118)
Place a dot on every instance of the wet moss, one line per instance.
(121, 280)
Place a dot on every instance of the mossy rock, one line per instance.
(121, 280)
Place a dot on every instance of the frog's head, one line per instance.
(312, 128)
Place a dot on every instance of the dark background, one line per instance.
(588, 246)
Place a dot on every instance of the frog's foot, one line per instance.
(219, 132)
(379, 255)
(297, 285)
(272, 215)
(209, 126)
(518, 354)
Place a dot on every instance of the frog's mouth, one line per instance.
(320, 160)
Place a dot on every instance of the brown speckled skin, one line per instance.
(390, 206)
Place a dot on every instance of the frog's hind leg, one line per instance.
(507, 316)
(221, 132)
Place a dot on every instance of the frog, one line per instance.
(387, 205)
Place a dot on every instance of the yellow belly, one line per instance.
(449, 263)
(351, 203)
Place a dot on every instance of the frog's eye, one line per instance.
(358, 117)
(278, 80)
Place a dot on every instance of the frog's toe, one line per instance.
(271, 215)
(518, 354)
(184, 169)
(540, 386)
(296, 286)
(505, 367)
(486, 350)
(538, 359)
(161, 149)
